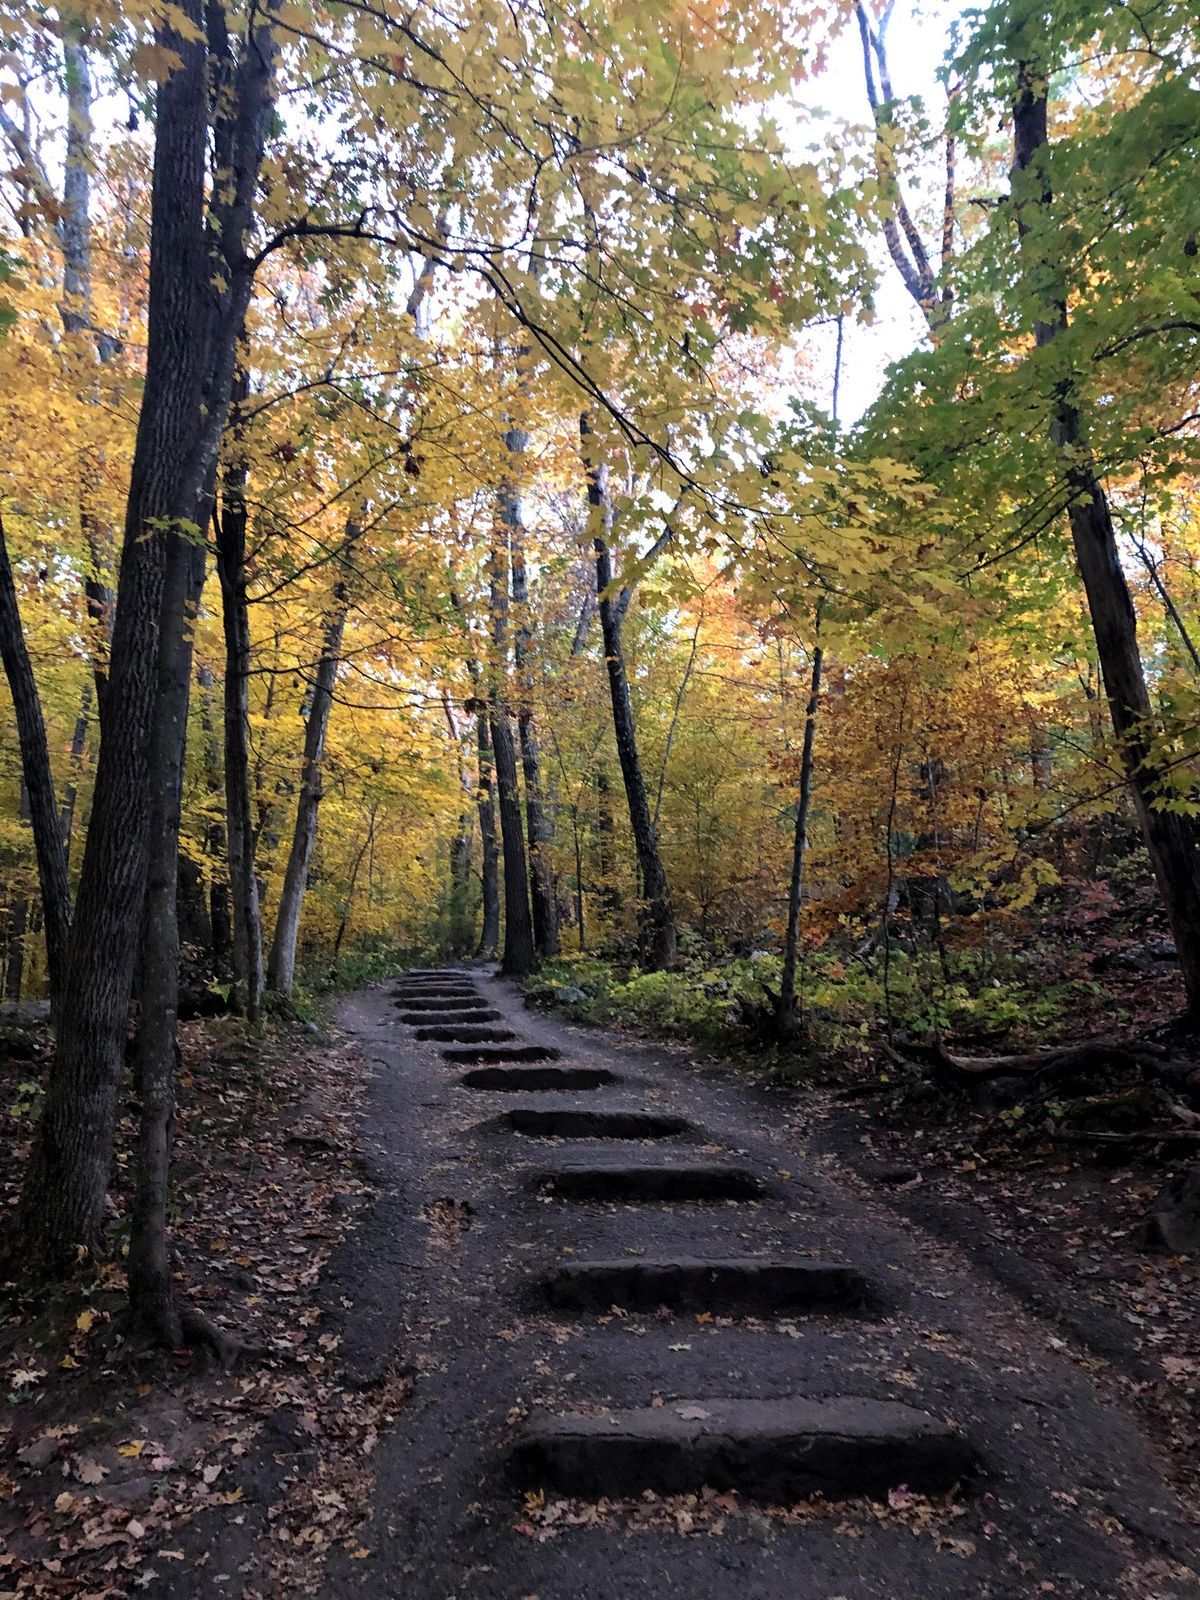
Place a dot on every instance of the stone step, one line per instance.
(741, 1284)
(462, 1034)
(444, 985)
(431, 974)
(479, 1055)
(552, 1123)
(614, 1179)
(441, 991)
(441, 1002)
(515, 1080)
(780, 1450)
(450, 1019)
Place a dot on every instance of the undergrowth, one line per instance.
(715, 999)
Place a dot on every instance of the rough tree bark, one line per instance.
(656, 917)
(248, 973)
(1173, 841)
(39, 780)
(281, 966)
(149, 1267)
(199, 286)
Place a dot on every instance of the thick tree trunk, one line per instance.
(196, 313)
(791, 943)
(656, 916)
(1173, 841)
(38, 779)
(281, 967)
(489, 933)
(151, 1300)
(537, 817)
(248, 974)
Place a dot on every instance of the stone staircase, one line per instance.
(836, 1444)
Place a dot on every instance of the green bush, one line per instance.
(713, 1000)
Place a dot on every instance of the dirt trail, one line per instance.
(617, 1286)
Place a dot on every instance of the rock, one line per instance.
(1174, 1222)
(40, 1453)
(1113, 1113)
(1154, 959)
(128, 1492)
(570, 996)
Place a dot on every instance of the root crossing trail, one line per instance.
(661, 1349)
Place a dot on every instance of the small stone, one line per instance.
(40, 1453)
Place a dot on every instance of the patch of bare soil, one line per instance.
(1049, 1192)
(108, 1451)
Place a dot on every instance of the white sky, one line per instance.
(918, 38)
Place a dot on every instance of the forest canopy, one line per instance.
(454, 503)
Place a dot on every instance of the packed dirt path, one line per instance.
(599, 1327)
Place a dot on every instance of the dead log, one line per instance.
(1063, 1061)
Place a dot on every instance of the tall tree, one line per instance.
(519, 955)
(281, 966)
(200, 282)
(231, 524)
(656, 916)
(537, 817)
(489, 927)
(1172, 837)
(38, 779)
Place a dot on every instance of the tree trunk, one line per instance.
(197, 308)
(344, 925)
(518, 956)
(1173, 841)
(248, 974)
(459, 903)
(14, 962)
(281, 967)
(75, 235)
(791, 943)
(656, 917)
(537, 818)
(66, 816)
(38, 780)
(151, 1299)
(489, 933)
(216, 843)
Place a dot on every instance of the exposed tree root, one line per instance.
(201, 1334)
(1065, 1061)
(172, 1327)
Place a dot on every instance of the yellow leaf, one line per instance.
(133, 1448)
(85, 1320)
